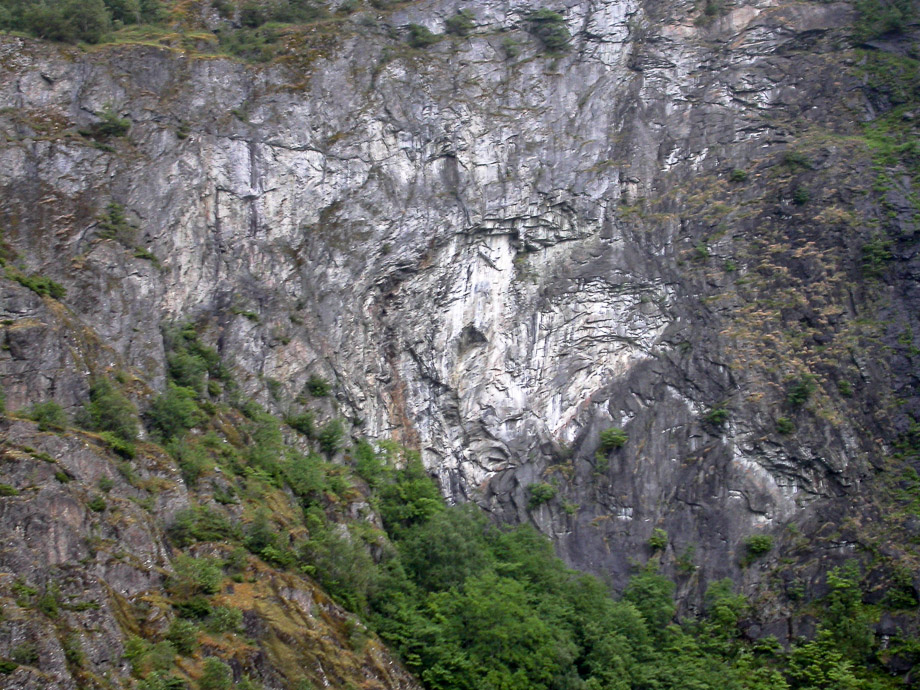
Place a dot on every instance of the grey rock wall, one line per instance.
(490, 257)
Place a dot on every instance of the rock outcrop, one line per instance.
(494, 258)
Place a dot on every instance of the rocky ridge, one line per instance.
(494, 259)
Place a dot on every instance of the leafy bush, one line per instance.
(97, 504)
(420, 36)
(540, 494)
(174, 412)
(317, 386)
(800, 196)
(612, 438)
(756, 546)
(330, 436)
(717, 416)
(738, 175)
(125, 449)
(40, 285)
(200, 523)
(196, 576)
(225, 619)
(550, 28)
(114, 225)
(110, 126)
(184, 635)
(460, 24)
(659, 539)
(216, 675)
(302, 422)
(109, 410)
(799, 390)
(49, 415)
(7, 490)
(784, 425)
(876, 253)
(877, 18)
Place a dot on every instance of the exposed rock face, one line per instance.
(494, 258)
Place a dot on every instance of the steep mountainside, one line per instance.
(655, 293)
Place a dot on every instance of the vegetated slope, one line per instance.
(641, 274)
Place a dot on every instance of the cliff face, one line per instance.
(668, 229)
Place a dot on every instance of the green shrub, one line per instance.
(193, 460)
(225, 619)
(40, 285)
(845, 388)
(200, 523)
(877, 18)
(800, 196)
(49, 602)
(784, 425)
(160, 680)
(114, 225)
(796, 159)
(540, 494)
(755, 546)
(302, 422)
(612, 438)
(110, 126)
(109, 410)
(49, 415)
(460, 24)
(195, 576)
(105, 484)
(7, 667)
(420, 36)
(659, 539)
(24, 653)
(876, 253)
(96, 504)
(119, 446)
(216, 675)
(7, 490)
(511, 47)
(317, 386)
(738, 175)
(330, 436)
(174, 412)
(799, 390)
(184, 635)
(717, 416)
(550, 28)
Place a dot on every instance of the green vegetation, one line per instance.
(550, 28)
(114, 225)
(540, 494)
(40, 285)
(460, 24)
(659, 539)
(110, 126)
(110, 410)
(877, 18)
(738, 175)
(318, 387)
(420, 36)
(800, 196)
(49, 415)
(784, 425)
(174, 412)
(800, 389)
(216, 676)
(612, 438)
(717, 416)
(755, 546)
